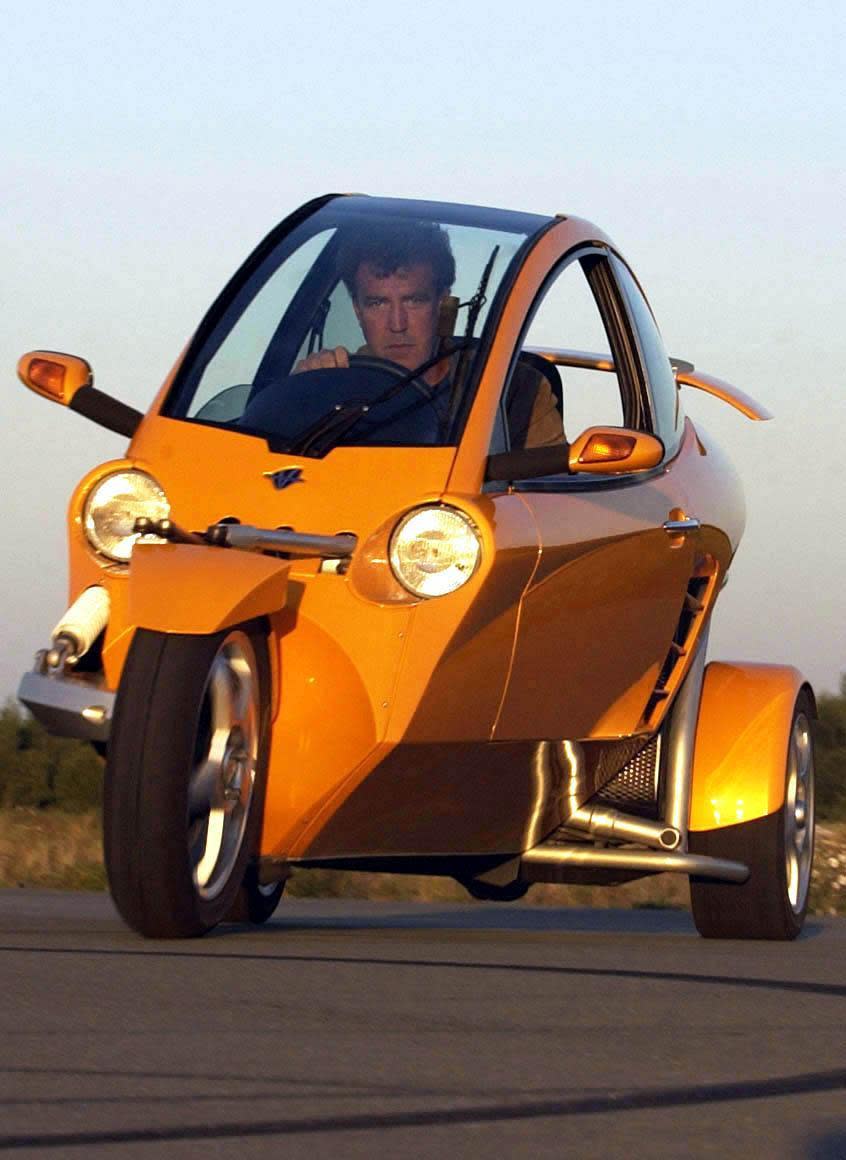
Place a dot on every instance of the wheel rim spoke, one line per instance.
(220, 786)
(799, 814)
(201, 791)
(211, 852)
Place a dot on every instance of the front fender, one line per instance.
(740, 755)
(191, 589)
(194, 589)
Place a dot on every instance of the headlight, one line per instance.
(434, 550)
(112, 507)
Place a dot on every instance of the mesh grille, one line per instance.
(635, 784)
(614, 758)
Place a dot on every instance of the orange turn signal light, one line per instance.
(607, 448)
(54, 375)
(48, 376)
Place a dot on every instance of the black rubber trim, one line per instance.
(528, 463)
(108, 412)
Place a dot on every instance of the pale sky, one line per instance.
(146, 148)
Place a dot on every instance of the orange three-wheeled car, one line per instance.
(410, 567)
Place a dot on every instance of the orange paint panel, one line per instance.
(358, 677)
(720, 389)
(339, 657)
(209, 473)
(598, 619)
(742, 737)
(184, 588)
(593, 634)
(442, 694)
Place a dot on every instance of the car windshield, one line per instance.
(359, 323)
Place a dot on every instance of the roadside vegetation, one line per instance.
(50, 835)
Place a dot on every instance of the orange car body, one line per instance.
(409, 728)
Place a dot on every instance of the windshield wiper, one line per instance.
(474, 305)
(342, 417)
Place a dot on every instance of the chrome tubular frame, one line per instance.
(644, 861)
(665, 840)
(249, 538)
(681, 736)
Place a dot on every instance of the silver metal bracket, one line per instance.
(68, 706)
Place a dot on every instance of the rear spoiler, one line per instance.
(686, 376)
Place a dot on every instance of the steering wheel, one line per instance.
(369, 362)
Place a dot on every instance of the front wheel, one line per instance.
(185, 777)
(778, 849)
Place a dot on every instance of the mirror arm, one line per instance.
(108, 412)
(530, 463)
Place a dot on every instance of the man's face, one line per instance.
(398, 313)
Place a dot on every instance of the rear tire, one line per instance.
(185, 777)
(255, 902)
(778, 849)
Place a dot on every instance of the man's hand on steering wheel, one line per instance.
(320, 360)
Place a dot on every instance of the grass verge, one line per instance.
(54, 850)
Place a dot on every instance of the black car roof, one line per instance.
(450, 213)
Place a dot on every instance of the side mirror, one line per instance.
(614, 451)
(68, 380)
(597, 451)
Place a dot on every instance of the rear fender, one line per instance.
(740, 756)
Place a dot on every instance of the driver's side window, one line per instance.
(566, 319)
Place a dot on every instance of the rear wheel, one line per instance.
(778, 849)
(255, 901)
(185, 777)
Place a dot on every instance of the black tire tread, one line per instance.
(121, 792)
(150, 749)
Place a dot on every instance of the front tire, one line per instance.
(778, 849)
(185, 777)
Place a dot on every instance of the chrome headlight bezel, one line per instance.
(425, 579)
(112, 506)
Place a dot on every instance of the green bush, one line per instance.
(831, 754)
(40, 772)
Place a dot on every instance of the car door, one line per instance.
(597, 623)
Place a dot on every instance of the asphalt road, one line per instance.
(379, 1030)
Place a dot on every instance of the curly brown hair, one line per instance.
(388, 246)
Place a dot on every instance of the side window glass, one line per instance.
(572, 398)
(659, 373)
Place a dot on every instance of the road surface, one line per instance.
(354, 1029)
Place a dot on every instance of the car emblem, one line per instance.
(285, 477)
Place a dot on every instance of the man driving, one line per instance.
(399, 278)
